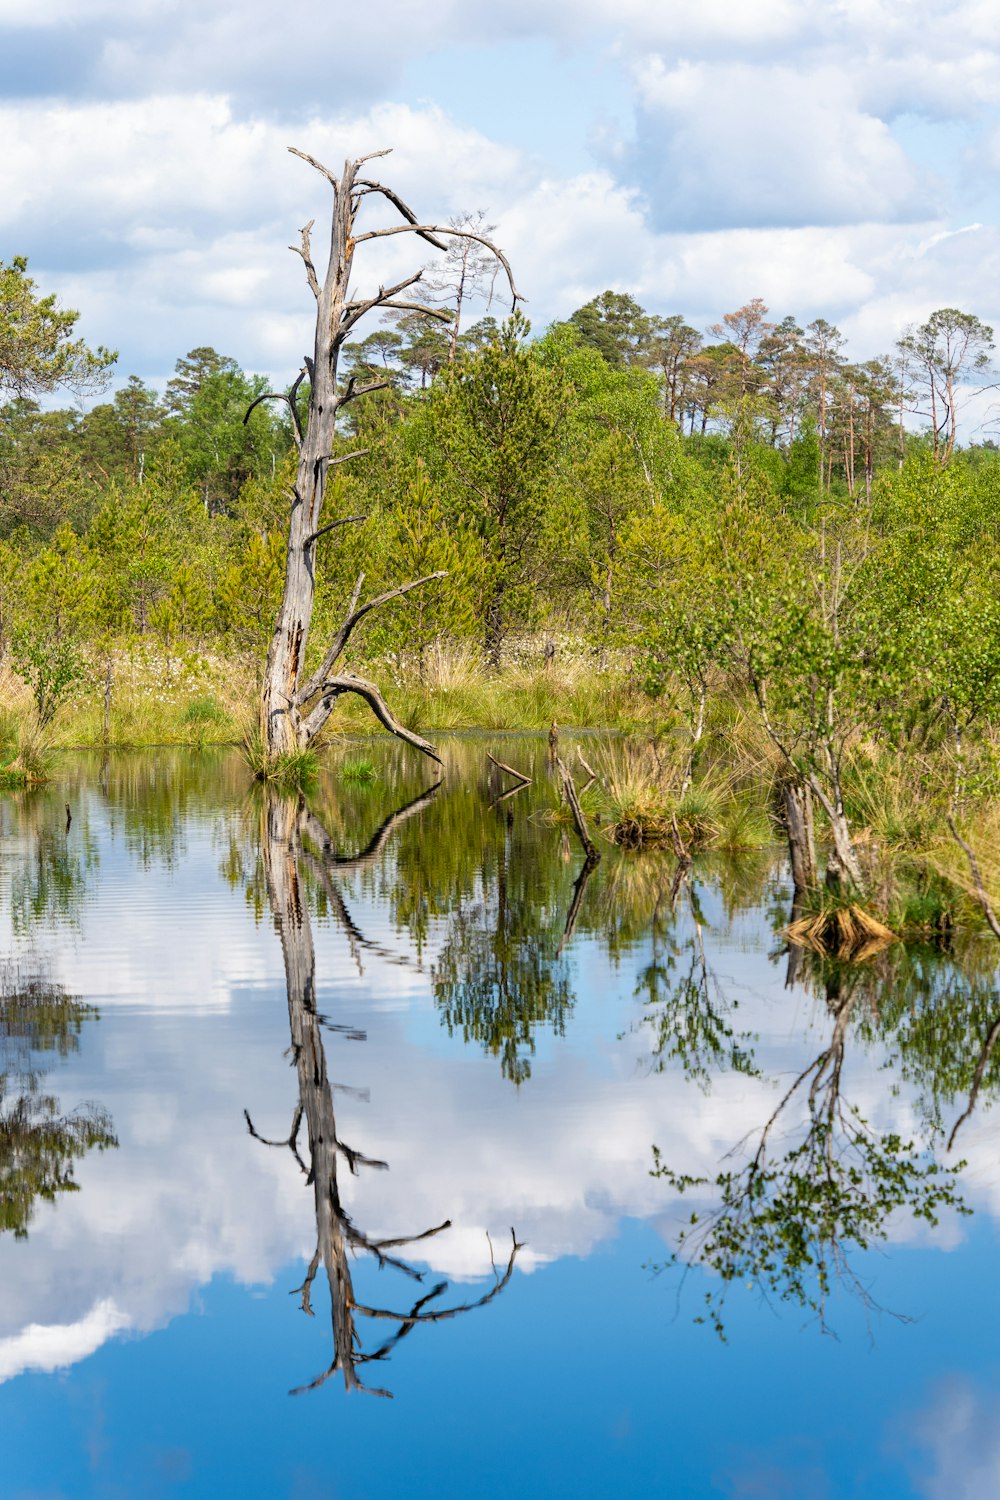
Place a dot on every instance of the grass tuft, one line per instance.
(294, 770)
(360, 769)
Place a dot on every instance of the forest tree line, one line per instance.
(535, 471)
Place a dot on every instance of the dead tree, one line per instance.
(297, 703)
(338, 1238)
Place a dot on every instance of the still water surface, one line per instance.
(253, 1052)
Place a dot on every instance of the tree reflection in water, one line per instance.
(828, 1184)
(38, 1143)
(685, 1005)
(294, 837)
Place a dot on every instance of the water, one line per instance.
(190, 973)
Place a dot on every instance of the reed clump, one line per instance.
(292, 771)
(652, 796)
(25, 750)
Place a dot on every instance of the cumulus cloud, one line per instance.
(743, 145)
(54, 1346)
(190, 1196)
(167, 224)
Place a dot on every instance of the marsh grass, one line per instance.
(359, 769)
(204, 717)
(157, 698)
(649, 798)
(294, 771)
(455, 692)
(25, 750)
(654, 788)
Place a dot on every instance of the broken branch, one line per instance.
(305, 250)
(314, 536)
(464, 234)
(334, 687)
(579, 821)
(354, 617)
(368, 186)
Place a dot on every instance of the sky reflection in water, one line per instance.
(148, 1340)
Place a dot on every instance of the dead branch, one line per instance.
(358, 308)
(422, 308)
(355, 936)
(354, 617)
(335, 687)
(354, 392)
(288, 1141)
(333, 525)
(579, 821)
(506, 796)
(355, 304)
(305, 250)
(325, 171)
(440, 1314)
(367, 186)
(586, 766)
(314, 829)
(579, 887)
(289, 398)
(305, 1290)
(445, 229)
(411, 1239)
(518, 775)
(977, 1078)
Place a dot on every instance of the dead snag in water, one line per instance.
(339, 1240)
(295, 706)
(986, 906)
(798, 808)
(579, 821)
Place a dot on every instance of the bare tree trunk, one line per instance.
(801, 836)
(294, 708)
(842, 868)
(494, 632)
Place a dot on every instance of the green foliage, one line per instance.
(50, 665)
(37, 349)
(419, 544)
(786, 1227)
(360, 769)
(495, 417)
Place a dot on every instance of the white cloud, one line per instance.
(742, 145)
(54, 1346)
(190, 1195)
(168, 225)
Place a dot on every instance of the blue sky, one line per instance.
(836, 157)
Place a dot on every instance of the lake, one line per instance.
(286, 1082)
